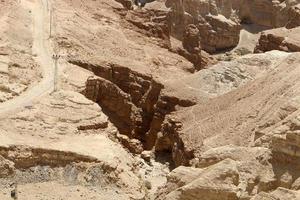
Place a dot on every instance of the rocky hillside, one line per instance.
(178, 100)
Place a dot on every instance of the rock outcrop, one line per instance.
(218, 33)
(140, 114)
(7, 168)
(279, 39)
(152, 23)
(256, 170)
(191, 49)
(278, 194)
(184, 137)
(219, 21)
(217, 182)
(127, 96)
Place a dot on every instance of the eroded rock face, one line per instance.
(236, 123)
(219, 21)
(63, 113)
(126, 3)
(128, 97)
(191, 39)
(152, 23)
(7, 168)
(279, 39)
(185, 137)
(218, 33)
(273, 164)
(191, 48)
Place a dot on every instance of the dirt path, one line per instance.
(42, 50)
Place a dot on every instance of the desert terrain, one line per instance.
(174, 100)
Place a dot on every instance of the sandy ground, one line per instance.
(249, 36)
(41, 48)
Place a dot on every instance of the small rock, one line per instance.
(146, 155)
(148, 185)
(296, 184)
(286, 180)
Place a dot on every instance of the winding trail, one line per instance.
(42, 50)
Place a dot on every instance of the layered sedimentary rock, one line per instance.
(218, 33)
(152, 23)
(271, 123)
(185, 137)
(257, 170)
(128, 96)
(219, 21)
(228, 131)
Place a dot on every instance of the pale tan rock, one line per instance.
(179, 177)
(65, 112)
(218, 33)
(296, 184)
(237, 120)
(280, 194)
(286, 180)
(191, 130)
(7, 168)
(255, 172)
(147, 155)
(218, 181)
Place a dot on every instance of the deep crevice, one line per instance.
(135, 104)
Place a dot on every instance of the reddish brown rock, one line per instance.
(218, 33)
(279, 39)
(152, 23)
(192, 48)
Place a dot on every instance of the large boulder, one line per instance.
(216, 182)
(279, 39)
(218, 33)
(177, 178)
(252, 165)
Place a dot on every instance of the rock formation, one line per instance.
(219, 21)
(279, 39)
(7, 168)
(191, 49)
(166, 102)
